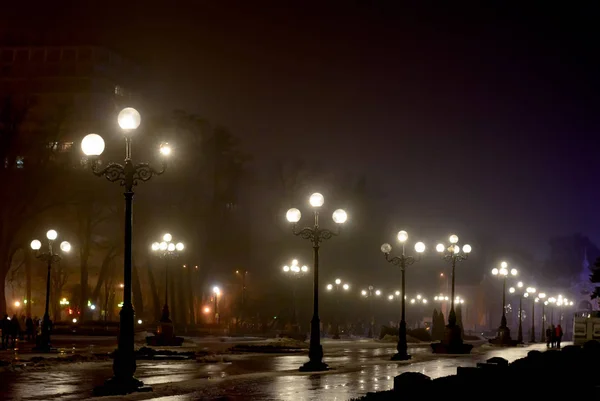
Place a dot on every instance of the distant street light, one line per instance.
(127, 175)
(295, 271)
(503, 336)
(541, 296)
(217, 292)
(168, 251)
(338, 285)
(50, 257)
(403, 260)
(519, 291)
(315, 235)
(530, 293)
(369, 293)
(453, 341)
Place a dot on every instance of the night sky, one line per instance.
(479, 121)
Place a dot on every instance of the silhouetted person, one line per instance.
(558, 335)
(548, 337)
(15, 328)
(29, 327)
(5, 327)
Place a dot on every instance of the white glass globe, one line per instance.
(402, 236)
(295, 269)
(293, 215)
(286, 269)
(36, 244)
(453, 239)
(424, 301)
(504, 271)
(390, 297)
(163, 246)
(216, 290)
(526, 295)
(338, 281)
(520, 284)
(495, 271)
(456, 248)
(171, 247)
(92, 145)
(155, 246)
(397, 293)
(129, 119)
(511, 290)
(386, 248)
(65, 246)
(329, 287)
(420, 247)
(304, 269)
(346, 286)
(316, 200)
(363, 293)
(340, 216)
(51, 235)
(542, 295)
(531, 290)
(504, 265)
(467, 248)
(440, 248)
(378, 292)
(167, 237)
(179, 246)
(513, 272)
(165, 149)
(294, 262)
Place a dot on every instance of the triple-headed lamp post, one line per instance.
(295, 271)
(315, 235)
(530, 292)
(337, 287)
(403, 260)
(503, 335)
(369, 294)
(49, 256)
(127, 175)
(519, 290)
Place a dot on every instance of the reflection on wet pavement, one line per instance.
(356, 371)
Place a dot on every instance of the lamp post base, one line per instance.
(452, 342)
(401, 357)
(503, 338)
(121, 386)
(311, 366)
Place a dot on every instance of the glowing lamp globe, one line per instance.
(495, 271)
(440, 248)
(453, 239)
(286, 269)
(167, 237)
(390, 297)
(51, 235)
(36, 244)
(511, 290)
(526, 295)
(329, 287)
(295, 269)
(92, 145)
(163, 246)
(542, 295)
(364, 293)
(155, 246)
(397, 293)
(402, 236)
(129, 119)
(171, 247)
(386, 248)
(378, 292)
(216, 290)
(339, 216)
(316, 200)
(165, 149)
(293, 215)
(346, 286)
(294, 262)
(304, 269)
(456, 248)
(420, 247)
(504, 271)
(520, 284)
(514, 272)
(504, 265)
(65, 246)
(467, 248)
(338, 281)
(179, 246)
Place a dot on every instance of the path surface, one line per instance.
(358, 367)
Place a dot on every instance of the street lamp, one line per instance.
(403, 260)
(529, 292)
(167, 250)
(453, 338)
(337, 287)
(295, 271)
(503, 337)
(216, 292)
(315, 235)
(127, 175)
(49, 256)
(241, 273)
(369, 293)
(512, 290)
(541, 296)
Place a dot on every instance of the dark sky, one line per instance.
(471, 119)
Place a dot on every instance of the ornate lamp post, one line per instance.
(315, 235)
(529, 292)
(369, 293)
(503, 336)
(242, 273)
(512, 290)
(403, 260)
(541, 296)
(50, 257)
(167, 251)
(452, 342)
(337, 288)
(127, 175)
(295, 272)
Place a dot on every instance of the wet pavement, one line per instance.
(358, 368)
